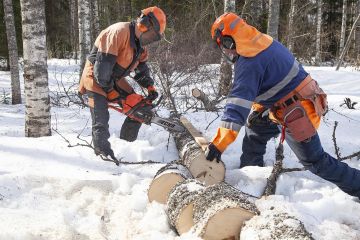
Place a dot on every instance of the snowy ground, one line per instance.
(51, 191)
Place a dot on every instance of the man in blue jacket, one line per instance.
(271, 86)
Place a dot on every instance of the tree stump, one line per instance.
(165, 179)
(220, 211)
(179, 206)
(190, 145)
(272, 224)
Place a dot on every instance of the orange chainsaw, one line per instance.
(144, 112)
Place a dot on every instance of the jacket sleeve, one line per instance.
(108, 47)
(142, 75)
(246, 86)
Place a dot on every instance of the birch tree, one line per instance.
(343, 26)
(95, 21)
(273, 21)
(74, 31)
(290, 40)
(37, 114)
(318, 32)
(84, 15)
(225, 67)
(13, 51)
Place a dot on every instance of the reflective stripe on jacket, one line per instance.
(264, 79)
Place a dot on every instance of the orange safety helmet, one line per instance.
(152, 16)
(230, 29)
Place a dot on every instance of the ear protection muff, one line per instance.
(148, 21)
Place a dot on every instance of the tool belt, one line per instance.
(300, 111)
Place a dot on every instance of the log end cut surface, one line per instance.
(185, 220)
(226, 224)
(209, 172)
(161, 186)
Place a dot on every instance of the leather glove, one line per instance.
(258, 118)
(113, 95)
(152, 93)
(212, 153)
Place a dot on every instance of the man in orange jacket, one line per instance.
(269, 81)
(118, 50)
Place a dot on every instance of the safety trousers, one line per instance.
(309, 152)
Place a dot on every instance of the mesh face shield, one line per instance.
(153, 29)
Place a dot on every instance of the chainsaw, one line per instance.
(144, 112)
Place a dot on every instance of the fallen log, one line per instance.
(273, 224)
(220, 211)
(179, 206)
(191, 145)
(165, 179)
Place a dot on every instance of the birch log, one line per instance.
(179, 206)
(191, 145)
(220, 211)
(165, 179)
(274, 224)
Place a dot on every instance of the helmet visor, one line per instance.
(149, 36)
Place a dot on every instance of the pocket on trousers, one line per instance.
(298, 124)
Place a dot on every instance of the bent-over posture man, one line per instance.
(119, 50)
(270, 82)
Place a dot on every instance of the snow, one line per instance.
(51, 191)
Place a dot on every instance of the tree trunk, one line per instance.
(220, 211)
(95, 22)
(165, 180)
(343, 27)
(225, 67)
(318, 32)
(275, 224)
(191, 145)
(347, 45)
(37, 116)
(357, 37)
(214, 212)
(273, 21)
(13, 51)
(252, 12)
(290, 40)
(84, 31)
(179, 206)
(74, 27)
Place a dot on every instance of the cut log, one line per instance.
(165, 179)
(190, 144)
(201, 96)
(273, 224)
(220, 211)
(179, 206)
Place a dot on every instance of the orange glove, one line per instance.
(130, 101)
(113, 95)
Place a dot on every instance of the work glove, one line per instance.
(258, 118)
(212, 153)
(112, 95)
(152, 93)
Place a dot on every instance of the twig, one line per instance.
(286, 170)
(357, 154)
(277, 170)
(212, 121)
(337, 149)
(104, 158)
